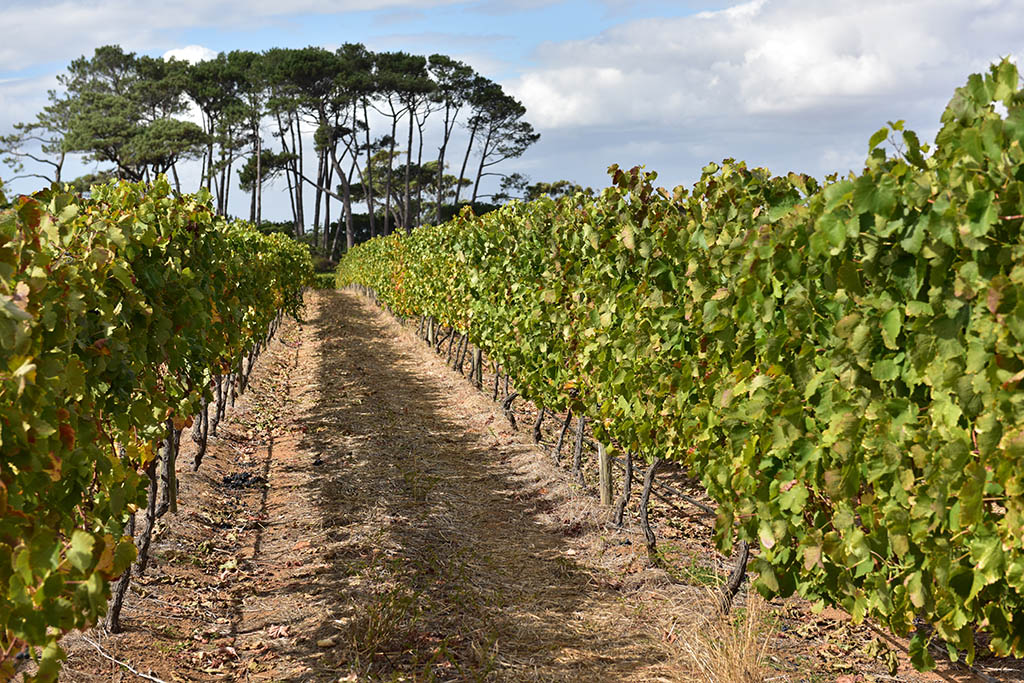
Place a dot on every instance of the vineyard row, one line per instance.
(839, 362)
(123, 316)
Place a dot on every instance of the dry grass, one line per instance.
(731, 648)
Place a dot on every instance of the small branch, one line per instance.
(696, 503)
(460, 353)
(732, 586)
(31, 175)
(561, 436)
(537, 425)
(506, 406)
(123, 664)
(203, 424)
(645, 523)
(477, 371)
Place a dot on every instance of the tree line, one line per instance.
(369, 113)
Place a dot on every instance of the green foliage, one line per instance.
(325, 280)
(272, 164)
(115, 313)
(120, 108)
(840, 364)
(418, 271)
(83, 183)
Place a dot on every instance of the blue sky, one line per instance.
(507, 34)
(788, 84)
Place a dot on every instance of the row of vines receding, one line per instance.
(839, 362)
(122, 316)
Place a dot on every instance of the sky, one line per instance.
(792, 85)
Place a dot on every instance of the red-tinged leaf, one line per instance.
(993, 299)
(67, 435)
(20, 297)
(30, 212)
(1013, 380)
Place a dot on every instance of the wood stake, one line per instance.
(605, 465)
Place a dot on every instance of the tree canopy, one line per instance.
(378, 127)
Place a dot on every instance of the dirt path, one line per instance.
(367, 515)
(420, 543)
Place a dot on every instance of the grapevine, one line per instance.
(118, 312)
(839, 362)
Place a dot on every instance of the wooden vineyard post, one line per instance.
(604, 463)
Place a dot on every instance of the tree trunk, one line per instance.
(169, 475)
(153, 513)
(480, 168)
(320, 184)
(408, 177)
(222, 190)
(350, 230)
(451, 341)
(327, 207)
(387, 181)
(369, 175)
(346, 188)
(208, 160)
(465, 160)
(252, 206)
(462, 354)
(645, 522)
(218, 404)
(295, 208)
(289, 172)
(440, 163)
(259, 177)
(227, 183)
(235, 379)
(419, 173)
(300, 226)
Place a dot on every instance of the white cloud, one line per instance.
(22, 98)
(790, 84)
(73, 28)
(192, 54)
(762, 57)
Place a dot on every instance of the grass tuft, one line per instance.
(731, 648)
